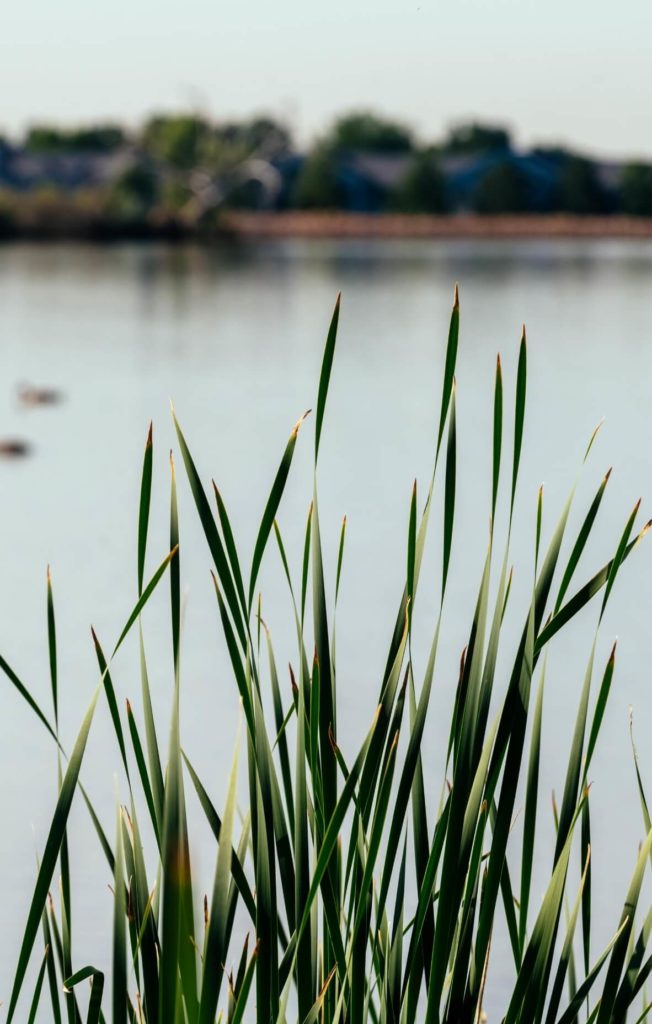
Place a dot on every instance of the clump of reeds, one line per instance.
(371, 891)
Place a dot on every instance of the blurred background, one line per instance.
(183, 192)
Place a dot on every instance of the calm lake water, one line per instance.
(234, 338)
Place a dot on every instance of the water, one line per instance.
(235, 339)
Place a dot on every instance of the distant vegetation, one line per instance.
(177, 173)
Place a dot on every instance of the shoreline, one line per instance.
(294, 224)
(243, 226)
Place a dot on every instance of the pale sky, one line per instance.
(554, 70)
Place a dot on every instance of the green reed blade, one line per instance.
(449, 490)
(230, 545)
(215, 824)
(325, 374)
(142, 771)
(566, 955)
(53, 984)
(144, 505)
(109, 691)
(244, 989)
(569, 1016)
(580, 543)
(52, 649)
(119, 972)
(412, 544)
(497, 436)
(143, 599)
(51, 853)
(519, 414)
(94, 1014)
(574, 767)
(216, 947)
(530, 814)
(449, 365)
(271, 508)
(211, 533)
(618, 557)
(37, 988)
(619, 952)
(175, 568)
(531, 983)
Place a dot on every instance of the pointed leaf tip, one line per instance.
(643, 532)
(150, 435)
(295, 428)
(456, 296)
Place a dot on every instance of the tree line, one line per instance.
(188, 165)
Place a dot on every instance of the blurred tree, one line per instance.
(261, 135)
(316, 185)
(476, 138)
(502, 189)
(423, 188)
(180, 140)
(636, 190)
(134, 193)
(95, 138)
(367, 132)
(173, 195)
(580, 190)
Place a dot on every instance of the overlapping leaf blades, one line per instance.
(372, 890)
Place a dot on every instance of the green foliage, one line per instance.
(636, 190)
(367, 132)
(178, 140)
(423, 189)
(92, 139)
(316, 186)
(370, 892)
(185, 142)
(134, 192)
(502, 189)
(476, 138)
(580, 190)
(261, 135)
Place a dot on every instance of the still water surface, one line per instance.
(234, 339)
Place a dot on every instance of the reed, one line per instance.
(370, 890)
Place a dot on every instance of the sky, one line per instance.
(568, 71)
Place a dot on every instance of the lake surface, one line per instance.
(235, 338)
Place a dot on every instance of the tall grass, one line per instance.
(370, 890)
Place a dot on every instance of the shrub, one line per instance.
(636, 190)
(369, 133)
(423, 189)
(317, 186)
(371, 890)
(502, 189)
